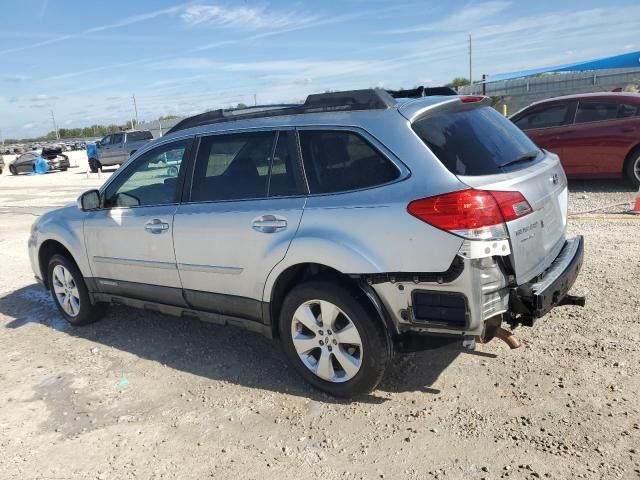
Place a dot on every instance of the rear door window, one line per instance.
(285, 178)
(338, 161)
(474, 140)
(596, 111)
(545, 117)
(626, 110)
(116, 138)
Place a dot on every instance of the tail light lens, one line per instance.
(472, 98)
(473, 214)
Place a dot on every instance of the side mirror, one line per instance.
(89, 200)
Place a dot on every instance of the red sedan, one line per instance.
(596, 135)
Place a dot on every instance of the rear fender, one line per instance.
(344, 258)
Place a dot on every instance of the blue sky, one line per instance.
(83, 60)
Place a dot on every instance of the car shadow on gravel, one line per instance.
(212, 351)
(600, 186)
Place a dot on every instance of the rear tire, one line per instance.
(63, 169)
(632, 169)
(94, 165)
(344, 354)
(69, 292)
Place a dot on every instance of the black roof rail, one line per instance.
(368, 99)
(422, 92)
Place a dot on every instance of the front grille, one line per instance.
(448, 309)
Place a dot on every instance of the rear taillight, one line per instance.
(512, 205)
(473, 214)
(471, 98)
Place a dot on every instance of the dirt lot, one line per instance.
(141, 395)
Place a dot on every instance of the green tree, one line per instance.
(458, 82)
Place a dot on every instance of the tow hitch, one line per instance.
(578, 300)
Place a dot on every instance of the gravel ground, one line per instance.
(142, 395)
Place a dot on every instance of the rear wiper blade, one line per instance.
(527, 157)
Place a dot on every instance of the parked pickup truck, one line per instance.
(115, 148)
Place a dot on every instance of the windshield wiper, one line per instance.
(527, 157)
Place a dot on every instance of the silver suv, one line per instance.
(350, 227)
(116, 148)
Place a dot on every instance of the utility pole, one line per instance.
(1, 138)
(255, 100)
(55, 127)
(470, 71)
(135, 107)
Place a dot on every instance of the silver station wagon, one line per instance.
(351, 227)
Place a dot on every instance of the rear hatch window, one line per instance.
(475, 140)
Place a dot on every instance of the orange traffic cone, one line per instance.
(636, 206)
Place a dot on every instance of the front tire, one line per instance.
(334, 338)
(632, 169)
(13, 170)
(69, 292)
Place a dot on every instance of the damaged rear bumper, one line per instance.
(477, 294)
(535, 299)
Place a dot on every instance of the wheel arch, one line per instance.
(48, 249)
(299, 273)
(633, 151)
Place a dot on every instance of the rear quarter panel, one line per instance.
(370, 231)
(600, 148)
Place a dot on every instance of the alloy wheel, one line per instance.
(327, 341)
(66, 290)
(636, 168)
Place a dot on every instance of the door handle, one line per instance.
(627, 129)
(156, 226)
(269, 223)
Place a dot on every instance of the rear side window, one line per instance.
(552, 116)
(137, 136)
(474, 140)
(596, 111)
(338, 161)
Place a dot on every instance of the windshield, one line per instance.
(475, 140)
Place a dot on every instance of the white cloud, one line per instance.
(464, 19)
(15, 77)
(42, 97)
(242, 17)
(27, 126)
(100, 28)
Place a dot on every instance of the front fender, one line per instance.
(64, 226)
